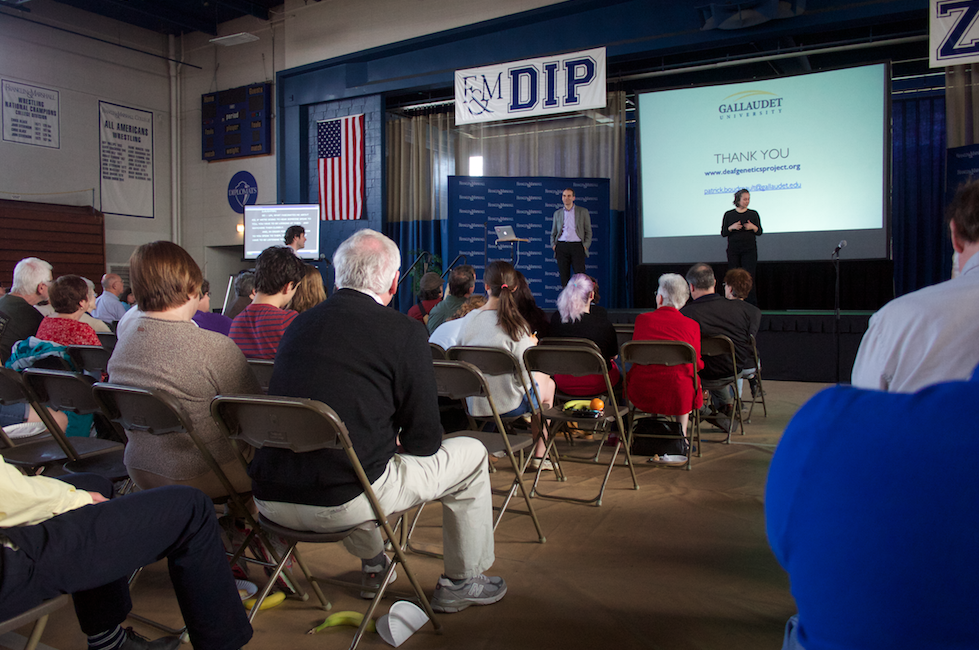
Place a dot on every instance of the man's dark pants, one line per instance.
(91, 552)
(569, 254)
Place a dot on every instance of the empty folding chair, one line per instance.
(580, 361)
(459, 380)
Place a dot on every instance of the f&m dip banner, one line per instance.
(478, 204)
(542, 86)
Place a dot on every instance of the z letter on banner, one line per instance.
(340, 154)
(954, 32)
(542, 86)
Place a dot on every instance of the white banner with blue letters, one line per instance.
(542, 86)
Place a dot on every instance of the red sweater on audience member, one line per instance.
(258, 329)
(65, 331)
(663, 389)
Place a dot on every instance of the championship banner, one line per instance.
(478, 204)
(953, 32)
(31, 115)
(126, 153)
(541, 86)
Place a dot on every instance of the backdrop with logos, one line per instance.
(478, 204)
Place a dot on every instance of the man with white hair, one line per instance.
(373, 366)
(18, 318)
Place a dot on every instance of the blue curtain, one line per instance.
(921, 245)
(413, 237)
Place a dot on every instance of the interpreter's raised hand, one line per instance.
(735, 226)
(752, 227)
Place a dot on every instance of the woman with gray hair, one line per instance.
(576, 317)
(660, 389)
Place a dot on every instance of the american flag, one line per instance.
(340, 150)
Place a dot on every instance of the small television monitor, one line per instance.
(266, 225)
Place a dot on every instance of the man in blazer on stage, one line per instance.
(570, 237)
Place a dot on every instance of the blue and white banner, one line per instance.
(31, 114)
(541, 86)
(126, 156)
(478, 204)
(953, 32)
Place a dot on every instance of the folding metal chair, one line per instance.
(93, 359)
(159, 413)
(300, 426)
(263, 371)
(459, 380)
(53, 449)
(39, 616)
(720, 346)
(580, 361)
(71, 392)
(760, 395)
(438, 353)
(108, 340)
(664, 353)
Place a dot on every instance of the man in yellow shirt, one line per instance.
(57, 538)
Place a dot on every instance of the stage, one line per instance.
(797, 345)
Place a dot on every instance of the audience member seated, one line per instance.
(68, 296)
(498, 324)
(372, 365)
(667, 390)
(718, 316)
(575, 319)
(536, 319)
(161, 348)
(99, 326)
(205, 318)
(58, 539)
(737, 286)
(244, 294)
(448, 336)
(108, 306)
(310, 291)
(462, 281)
(879, 541)
(259, 327)
(429, 295)
(929, 336)
(18, 317)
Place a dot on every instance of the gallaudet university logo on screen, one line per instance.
(750, 103)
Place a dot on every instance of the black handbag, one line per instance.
(669, 438)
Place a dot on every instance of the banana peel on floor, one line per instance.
(272, 600)
(346, 618)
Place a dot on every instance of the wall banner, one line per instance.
(478, 204)
(953, 32)
(126, 152)
(541, 86)
(31, 114)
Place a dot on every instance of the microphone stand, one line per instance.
(836, 308)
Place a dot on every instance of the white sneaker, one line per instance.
(481, 590)
(545, 464)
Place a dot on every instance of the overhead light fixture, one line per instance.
(234, 39)
(240, 228)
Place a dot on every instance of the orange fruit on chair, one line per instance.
(597, 404)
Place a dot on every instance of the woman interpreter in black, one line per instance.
(742, 227)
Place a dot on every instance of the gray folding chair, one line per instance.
(108, 340)
(93, 359)
(438, 352)
(758, 396)
(159, 413)
(37, 615)
(54, 449)
(459, 380)
(71, 392)
(670, 354)
(623, 332)
(263, 371)
(580, 361)
(722, 346)
(300, 426)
